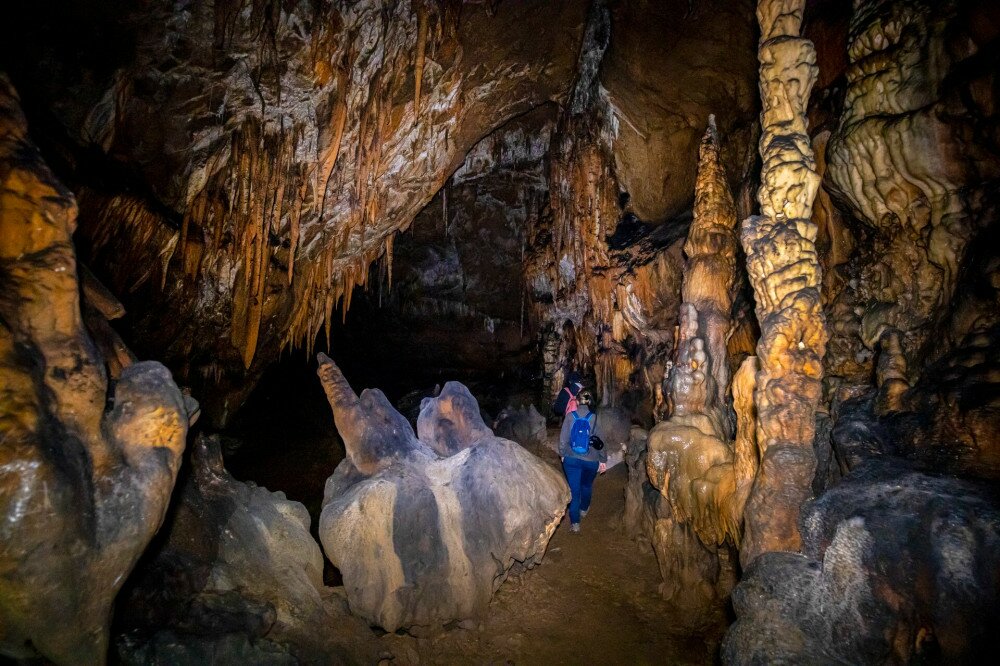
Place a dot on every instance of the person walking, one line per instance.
(583, 455)
(566, 401)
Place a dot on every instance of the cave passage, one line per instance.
(289, 290)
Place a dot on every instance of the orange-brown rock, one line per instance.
(710, 275)
(280, 148)
(85, 474)
(670, 63)
(691, 459)
(906, 161)
(623, 159)
(785, 273)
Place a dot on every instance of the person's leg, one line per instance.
(588, 472)
(571, 466)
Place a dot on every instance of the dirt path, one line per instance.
(594, 600)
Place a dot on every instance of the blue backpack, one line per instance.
(579, 435)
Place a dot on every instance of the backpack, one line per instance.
(579, 435)
(565, 403)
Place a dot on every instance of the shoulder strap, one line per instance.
(576, 417)
(589, 414)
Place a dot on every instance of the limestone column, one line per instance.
(711, 251)
(784, 270)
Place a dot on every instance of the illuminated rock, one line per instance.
(425, 530)
(85, 473)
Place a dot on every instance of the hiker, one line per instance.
(583, 455)
(566, 400)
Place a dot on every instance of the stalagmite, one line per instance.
(711, 257)
(426, 530)
(83, 485)
(691, 459)
(368, 448)
(785, 273)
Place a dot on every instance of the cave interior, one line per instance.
(288, 289)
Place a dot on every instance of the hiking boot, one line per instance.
(575, 528)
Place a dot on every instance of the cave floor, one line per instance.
(593, 600)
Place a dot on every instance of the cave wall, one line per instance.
(271, 151)
(606, 282)
(453, 301)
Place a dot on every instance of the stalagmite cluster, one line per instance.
(784, 270)
(425, 528)
(85, 473)
(692, 458)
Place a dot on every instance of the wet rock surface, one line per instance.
(897, 566)
(235, 577)
(277, 148)
(86, 469)
(425, 528)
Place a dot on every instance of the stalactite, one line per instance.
(418, 67)
(784, 270)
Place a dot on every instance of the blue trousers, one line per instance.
(580, 475)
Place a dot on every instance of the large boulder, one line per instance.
(237, 579)
(897, 566)
(524, 425)
(425, 529)
(85, 472)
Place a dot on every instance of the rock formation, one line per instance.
(424, 530)
(281, 147)
(455, 295)
(710, 274)
(703, 475)
(898, 558)
(784, 270)
(897, 566)
(906, 159)
(605, 271)
(237, 577)
(85, 473)
(523, 425)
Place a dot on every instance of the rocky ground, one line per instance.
(593, 600)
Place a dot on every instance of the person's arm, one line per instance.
(602, 455)
(564, 436)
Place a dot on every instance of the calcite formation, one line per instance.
(605, 280)
(85, 473)
(784, 270)
(903, 157)
(425, 529)
(697, 437)
(455, 294)
(280, 147)
(237, 577)
(897, 566)
(710, 273)
(691, 457)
